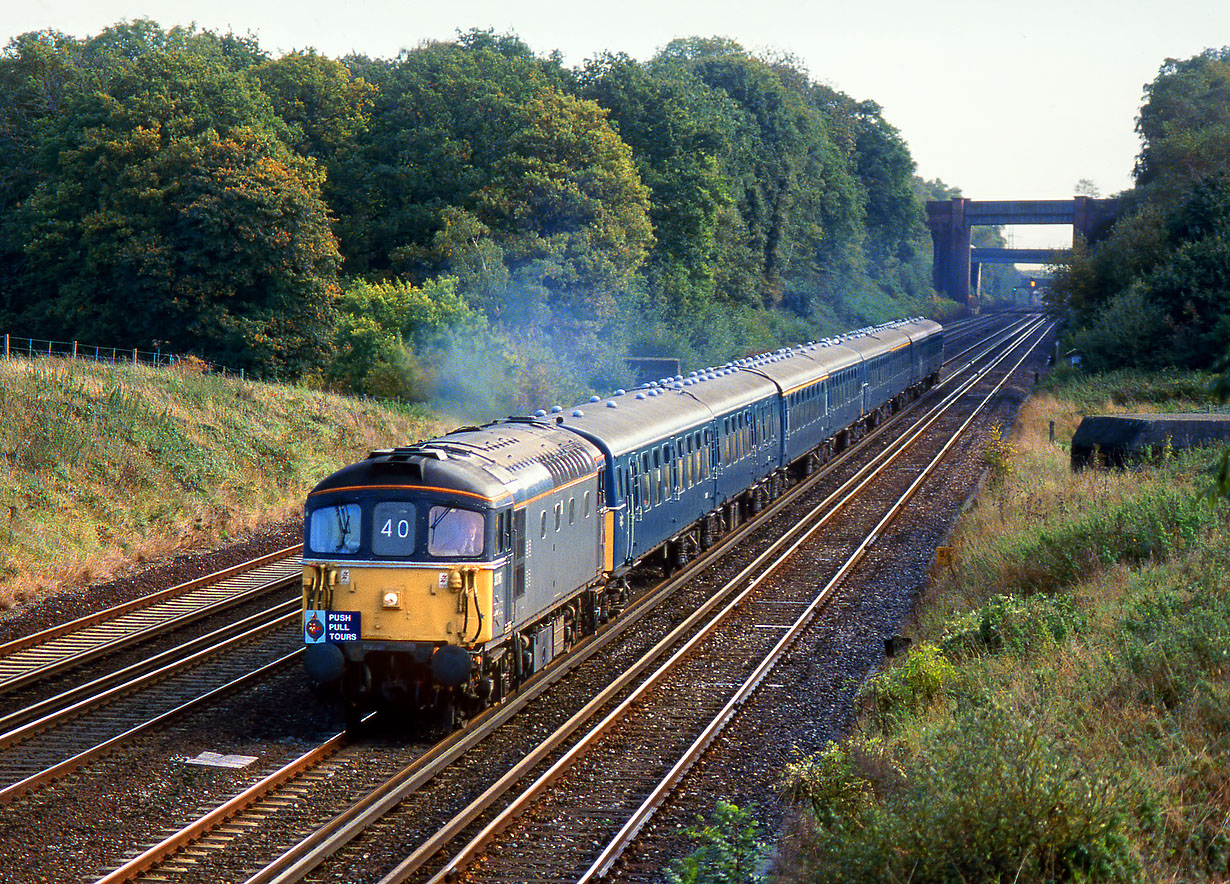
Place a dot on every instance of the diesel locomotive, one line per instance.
(444, 574)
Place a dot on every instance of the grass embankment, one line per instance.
(1064, 713)
(104, 466)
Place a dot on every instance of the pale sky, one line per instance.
(1005, 101)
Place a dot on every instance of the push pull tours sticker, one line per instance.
(330, 627)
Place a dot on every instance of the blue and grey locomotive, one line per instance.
(447, 572)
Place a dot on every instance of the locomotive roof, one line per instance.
(489, 464)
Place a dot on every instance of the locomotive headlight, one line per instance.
(391, 600)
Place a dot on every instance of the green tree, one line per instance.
(566, 196)
(801, 209)
(1164, 269)
(677, 128)
(1188, 96)
(389, 337)
(167, 209)
(482, 164)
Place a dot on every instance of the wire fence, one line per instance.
(33, 348)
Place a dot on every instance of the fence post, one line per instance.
(74, 351)
(134, 355)
(6, 346)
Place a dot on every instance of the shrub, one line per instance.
(1017, 624)
(730, 852)
(993, 801)
(828, 785)
(911, 684)
(1151, 526)
(998, 454)
(1176, 645)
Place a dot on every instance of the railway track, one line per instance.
(611, 781)
(62, 713)
(239, 824)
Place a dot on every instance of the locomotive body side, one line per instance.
(422, 565)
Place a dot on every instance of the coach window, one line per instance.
(559, 514)
(543, 526)
(572, 509)
(586, 514)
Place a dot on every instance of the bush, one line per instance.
(1152, 526)
(1013, 623)
(998, 454)
(1178, 646)
(828, 785)
(911, 684)
(730, 852)
(993, 801)
(1132, 330)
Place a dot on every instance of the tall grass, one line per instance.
(1064, 714)
(105, 465)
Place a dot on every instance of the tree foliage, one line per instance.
(165, 208)
(1156, 290)
(186, 187)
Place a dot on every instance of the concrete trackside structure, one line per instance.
(1120, 439)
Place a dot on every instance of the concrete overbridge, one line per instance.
(956, 263)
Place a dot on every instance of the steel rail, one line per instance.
(70, 649)
(58, 770)
(44, 709)
(300, 860)
(666, 785)
(111, 613)
(297, 862)
(172, 843)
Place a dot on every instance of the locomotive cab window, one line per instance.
(393, 529)
(454, 531)
(335, 529)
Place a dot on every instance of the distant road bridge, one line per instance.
(956, 263)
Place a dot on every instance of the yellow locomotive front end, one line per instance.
(404, 571)
(429, 603)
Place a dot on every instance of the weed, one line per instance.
(998, 455)
(730, 852)
(990, 798)
(1013, 623)
(911, 684)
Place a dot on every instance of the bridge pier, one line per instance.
(950, 244)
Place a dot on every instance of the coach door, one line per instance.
(519, 567)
